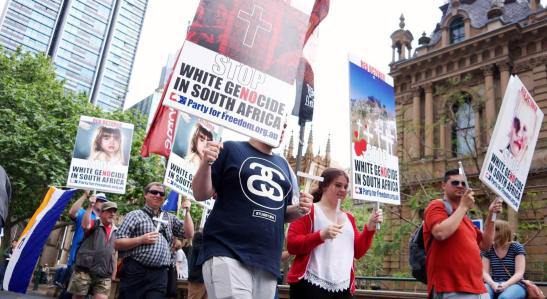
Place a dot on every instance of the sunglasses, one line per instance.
(457, 183)
(156, 192)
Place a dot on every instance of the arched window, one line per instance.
(463, 127)
(457, 30)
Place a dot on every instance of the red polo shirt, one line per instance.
(453, 265)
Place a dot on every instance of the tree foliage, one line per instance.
(38, 125)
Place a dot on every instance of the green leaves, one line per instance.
(38, 126)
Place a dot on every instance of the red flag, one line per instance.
(159, 138)
(263, 34)
(305, 95)
(318, 13)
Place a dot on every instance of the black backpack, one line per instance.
(416, 250)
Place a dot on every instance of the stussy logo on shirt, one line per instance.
(261, 183)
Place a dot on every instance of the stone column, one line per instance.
(429, 120)
(467, 28)
(415, 148)
(444, 36)
(393, 49)
(504, 76)
(490, 104)
(478, 128)
(442, 132)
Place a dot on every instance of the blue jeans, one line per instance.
(515, 291)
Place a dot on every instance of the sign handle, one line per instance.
(376, 208)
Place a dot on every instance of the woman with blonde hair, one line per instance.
(503, 265)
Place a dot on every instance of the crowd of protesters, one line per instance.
(239, 251)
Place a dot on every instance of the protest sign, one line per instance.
(237, 65)
(374, 164)
(191, 137)
(507, 161)
(101, 155)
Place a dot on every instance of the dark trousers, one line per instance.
(141, 282)
(306, 290)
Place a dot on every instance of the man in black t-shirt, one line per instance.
(243, 235)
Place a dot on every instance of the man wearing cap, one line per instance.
(76, 213)
(146, 236)
(94, 267)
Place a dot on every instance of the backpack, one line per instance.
(416, 250)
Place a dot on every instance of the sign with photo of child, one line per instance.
(101, 155)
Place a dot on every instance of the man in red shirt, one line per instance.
(454, 267)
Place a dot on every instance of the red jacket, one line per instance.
(301, 240)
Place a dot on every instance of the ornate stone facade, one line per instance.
(470, 56)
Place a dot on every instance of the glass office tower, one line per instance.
(92, 43)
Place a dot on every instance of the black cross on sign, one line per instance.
(254, 23)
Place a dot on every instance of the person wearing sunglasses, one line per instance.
(453, 260)
(147, 250)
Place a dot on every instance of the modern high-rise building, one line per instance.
(92, 43)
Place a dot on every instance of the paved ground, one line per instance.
(38, 294)
(10, 295)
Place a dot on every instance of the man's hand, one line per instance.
(468, 200)
(186, 204)
(306, 201)
(496, 206)
(149, 238)
(211, 151)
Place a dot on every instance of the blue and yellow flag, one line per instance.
(32, 240)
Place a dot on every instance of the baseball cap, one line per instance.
(101, 197)
(109, 205)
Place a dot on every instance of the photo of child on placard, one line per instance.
(191, 136)
(197, 143)
(107, 145)
(521, 130)
(509, 157)
(101, 155)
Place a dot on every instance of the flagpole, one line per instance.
(302, 124)
(179, 203)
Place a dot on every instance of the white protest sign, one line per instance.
(509, 156)
(236, 69)
(101, 155)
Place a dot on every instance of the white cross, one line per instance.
(388, 137)
(379, 131)
(367, 131)
(359, 126)
(160, 221)
(254, 23)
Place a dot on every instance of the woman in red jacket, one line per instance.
(326, 241)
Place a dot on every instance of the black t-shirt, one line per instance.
(246, 223)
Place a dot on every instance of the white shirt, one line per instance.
(331, 262)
